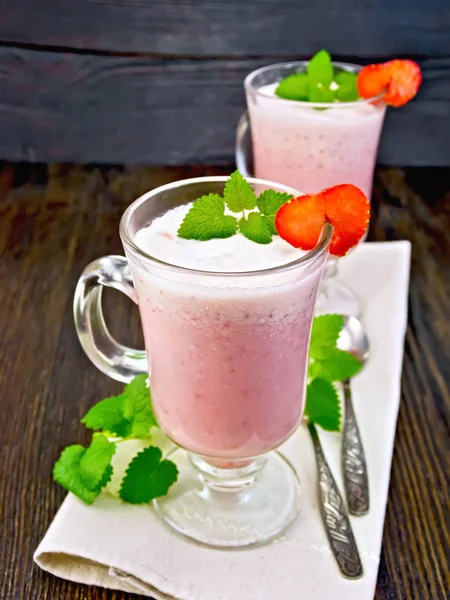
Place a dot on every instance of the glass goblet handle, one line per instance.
(108, 355)
(243, 147)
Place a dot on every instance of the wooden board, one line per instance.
(369, 28)
(74, 107)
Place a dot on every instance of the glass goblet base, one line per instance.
(233, 507)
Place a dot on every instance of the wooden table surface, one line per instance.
(53, 221)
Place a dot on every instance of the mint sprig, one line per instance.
(206, 219)
(129, 416)
(320, 83)
(327, 364)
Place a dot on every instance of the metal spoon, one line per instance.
(353, 339)
(334, 515)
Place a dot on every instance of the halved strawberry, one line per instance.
(348, 210)
(301, 220)
(400, 78)
(372, 80)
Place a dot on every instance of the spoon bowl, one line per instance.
(353, 339)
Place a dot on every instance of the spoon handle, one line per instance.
(354, 466)
(335, 517)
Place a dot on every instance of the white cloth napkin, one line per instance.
(125, 547)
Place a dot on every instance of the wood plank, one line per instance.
(413, 204)
(233, 28)
(85, 108)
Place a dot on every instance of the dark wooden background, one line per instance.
(160, 82)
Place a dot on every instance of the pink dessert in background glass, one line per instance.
(308, 145)
(312, 146)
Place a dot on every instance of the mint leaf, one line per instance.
(255, 228)
(337, 366)
(106, 414)
(268, 203)
(95, 461)
(238, 194)
(122, 429)
(137, 407)
(293, 87)
(347, 93)
(84, 472)
(107, 476)
(206, 220)
(346, 78)
(324, 335)
(147, 477)
(320, 70)
(317, 92)
(322, 404)
(129, 414)
(66, 472)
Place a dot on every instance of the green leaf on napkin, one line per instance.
(129, 414)
(324, 335)
(327, 363)
(106, 414)
(322, 404)
(85, 471)
(337, 366)
(137, 407)
(147, 477)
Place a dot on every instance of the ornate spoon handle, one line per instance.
(356, 483)
(335, 517)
